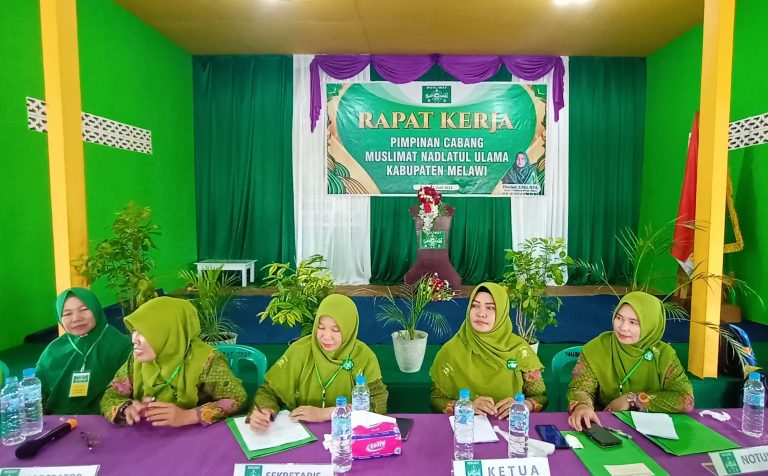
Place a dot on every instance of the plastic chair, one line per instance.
(562, 366)
(4, 372)
(235, 354)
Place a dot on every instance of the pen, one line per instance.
(248, 418)
(619, 432)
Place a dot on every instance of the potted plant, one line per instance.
(536, 264)
(298, 292)
(410, 343)
(123, 260)
(214, 292)
(642, 252)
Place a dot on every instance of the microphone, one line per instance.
(30, 448)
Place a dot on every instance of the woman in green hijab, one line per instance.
(173, 378)
(488, 358)
(320, 367)
(629, 368)
(75, 368)
(522, 171)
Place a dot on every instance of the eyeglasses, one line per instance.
(91, 440)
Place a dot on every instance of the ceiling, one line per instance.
(596, 28)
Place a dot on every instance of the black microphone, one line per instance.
(30, 448)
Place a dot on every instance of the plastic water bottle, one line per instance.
(341, 430)
(361, 397)
(463, 427)
(31, 390)
(519, 419)
(12, 413)
(754, 406)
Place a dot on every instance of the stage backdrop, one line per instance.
(478, 139)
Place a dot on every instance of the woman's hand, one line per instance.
(502, 408)
(619, 404)
(134, 412)
(311, 414)
(484, 406)
(168, 414)
(582, 417)
(260, 419)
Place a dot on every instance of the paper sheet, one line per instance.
(655, 424)
(280, 432)
(635, 469)
(483, 430)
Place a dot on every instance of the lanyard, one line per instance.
(328, 383)
(85, 355)
(170, 379)
(648, 355)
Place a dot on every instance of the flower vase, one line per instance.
(409, 353)
(432, 256)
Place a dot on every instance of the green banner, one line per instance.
(482, 139)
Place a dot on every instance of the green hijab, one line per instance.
(489, 364)
(107, 350)
(522, 175)
(611, 360)
(172, 329)
(298, 377)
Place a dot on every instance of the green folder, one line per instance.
(695, 437)
(252, 454)
(595, 457)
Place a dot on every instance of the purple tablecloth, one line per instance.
(148, 451)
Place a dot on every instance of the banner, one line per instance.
(481, 139)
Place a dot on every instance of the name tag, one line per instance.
(52, 471)
(745, 460)
(280, 469)
(79, 385)
(502, 467)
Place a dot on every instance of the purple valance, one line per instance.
(404, 69)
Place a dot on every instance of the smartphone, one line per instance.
(405, 425)
(601, 436)
(551, 434)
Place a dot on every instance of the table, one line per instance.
(213, 450)
(244, 266)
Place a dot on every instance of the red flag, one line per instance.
(682, 247)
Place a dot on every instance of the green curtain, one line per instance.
(243, 121)
(607, 120)
(480, 232)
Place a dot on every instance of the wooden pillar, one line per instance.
(61, 68)
(712, 173)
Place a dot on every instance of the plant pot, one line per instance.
(535, 346)
(409, 353)
(231, 339)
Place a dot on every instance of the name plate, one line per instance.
(283, 470)
(90, 470)
(432, 240)
(745, 460)
(502, 467)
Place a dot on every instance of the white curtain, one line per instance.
(547, 216)
(337, 227)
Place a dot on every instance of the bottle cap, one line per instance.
(341, 401)
(360, 379)
(11, 380)
(28, 373)
(519, 397)
(754, 375)
(464, 394)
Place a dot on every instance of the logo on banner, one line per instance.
(729, 463)
(432, 240)
(436, 94)
(473, 468)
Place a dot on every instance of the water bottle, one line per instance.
(31, 390)
(361, 397)
(12, 413)
(341, 430)
(463, 427)
(754, 406)
(519, 419)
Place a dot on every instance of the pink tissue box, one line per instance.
(382, 439)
